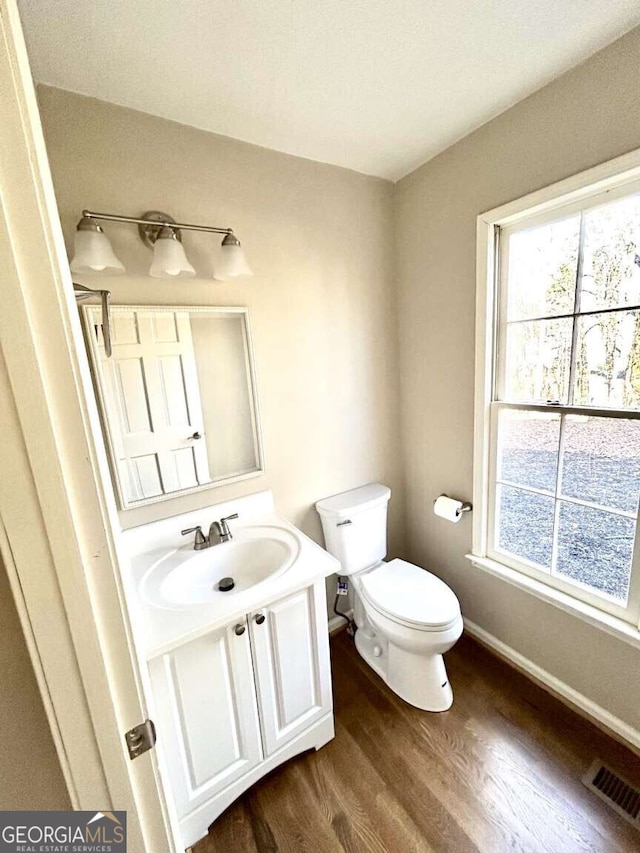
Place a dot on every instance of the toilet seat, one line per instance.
(410, 596)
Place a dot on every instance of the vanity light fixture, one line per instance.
(232, 262)
(162, 233)
(169, 259)
(92, 250)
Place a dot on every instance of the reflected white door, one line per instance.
(151, 385)
(206, 715)
(292, 667)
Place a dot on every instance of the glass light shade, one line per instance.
(93, 253)
(169, 258)
(232, 262)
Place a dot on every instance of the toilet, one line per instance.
(406, 617)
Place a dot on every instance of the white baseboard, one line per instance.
(582, 704)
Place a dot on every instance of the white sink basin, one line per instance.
(186, 577)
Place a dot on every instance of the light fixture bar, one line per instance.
(114, 217)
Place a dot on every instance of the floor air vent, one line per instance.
(615, 791)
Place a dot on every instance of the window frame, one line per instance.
(597, 186)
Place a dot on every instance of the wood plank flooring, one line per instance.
(498, 772)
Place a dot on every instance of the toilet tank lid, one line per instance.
(355, 500)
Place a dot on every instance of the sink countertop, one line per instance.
(159, 629)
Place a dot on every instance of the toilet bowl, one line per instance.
(413, 631)
(406, 617)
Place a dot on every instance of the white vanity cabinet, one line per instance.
(207, 714)
(234, 703)
(290, 646)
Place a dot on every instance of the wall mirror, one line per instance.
(177, 397)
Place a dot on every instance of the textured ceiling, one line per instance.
(371, 85)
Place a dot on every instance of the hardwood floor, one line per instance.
(498, 772)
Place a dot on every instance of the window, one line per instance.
(558, 455)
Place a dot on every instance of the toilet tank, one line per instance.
(355, 526)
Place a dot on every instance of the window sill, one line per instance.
(585, 612)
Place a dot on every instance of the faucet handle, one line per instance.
(220, 529)
(200, 537)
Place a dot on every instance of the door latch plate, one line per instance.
(140, 739)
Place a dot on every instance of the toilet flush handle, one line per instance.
(346, 521)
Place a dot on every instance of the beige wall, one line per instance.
(586, 117)
(30, 776)
(322, 300)
(323, 304)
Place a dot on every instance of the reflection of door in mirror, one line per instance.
(152, 386)
(178, 402)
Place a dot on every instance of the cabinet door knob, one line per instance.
(239, 629)
(260, 617)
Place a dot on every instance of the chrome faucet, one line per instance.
(220, 529)
(218, 532)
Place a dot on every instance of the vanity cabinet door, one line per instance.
(290, 644)
(207, 716)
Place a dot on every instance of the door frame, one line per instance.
(58, 524)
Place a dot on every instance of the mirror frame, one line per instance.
(92, 312)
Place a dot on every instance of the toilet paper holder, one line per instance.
(466, 506)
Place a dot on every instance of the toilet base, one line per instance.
(373, 650)
(419, 679)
